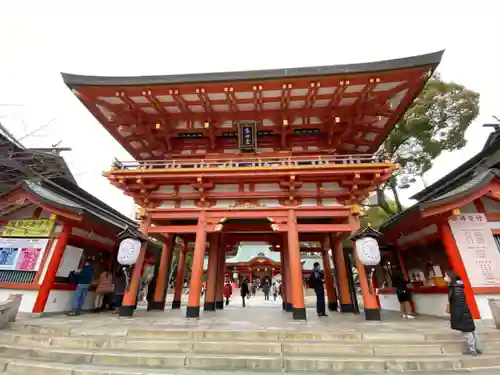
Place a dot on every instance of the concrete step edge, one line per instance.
(333, 357)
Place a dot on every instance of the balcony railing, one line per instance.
(252, 162)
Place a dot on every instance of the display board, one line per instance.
(28, 228)
(477, 248)
(22, 254)
(70, 261)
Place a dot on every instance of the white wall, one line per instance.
(389, 302)
(482, 304)
(28, 301)
(60, 301)
(431, 304)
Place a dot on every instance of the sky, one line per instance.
(40, 39)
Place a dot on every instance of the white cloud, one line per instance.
(41, 39)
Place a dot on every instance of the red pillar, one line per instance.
(50, 273)
(193, 306)
(161, 280)
(346, 303)
(299, 310)
(213, 262)
(458, 266)
(330, 288)
(130, 296)
(370, 301)
(179, 279)
(221, 275)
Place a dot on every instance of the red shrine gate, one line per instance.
(286, 154)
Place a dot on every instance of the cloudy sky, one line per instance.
(40, 39)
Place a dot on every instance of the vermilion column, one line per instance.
(130, 296)
(213, 260)
(288, 282)
(346, 303)
(193, 306)
(50, 273)
(221, 272)
(299, 310)
(458, 266)
(370, 301)
(330, 289)
(179, 279)
(161, 280)
(282, 272)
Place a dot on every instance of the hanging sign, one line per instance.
(28, 228)
(477, 248)
(368, 251)
(21, 254)
(247, 136)
(129, 251)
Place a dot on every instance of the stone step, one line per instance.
(268, 362)
(269, 335)
(322, 348)
(24, 367)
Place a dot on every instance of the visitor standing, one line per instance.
(266, 288)
(120, 283)
(275, 290)
(460, 315)
(317, 281)
(83, 281)
(103, 290)
(403, 294)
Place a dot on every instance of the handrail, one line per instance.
(251, 162)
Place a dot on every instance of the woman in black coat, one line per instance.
(403, 294)
(460, 315)
(244, 290)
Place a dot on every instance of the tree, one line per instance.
(375, 216)
(436, 122)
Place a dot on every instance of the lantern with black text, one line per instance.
(367, 248)
(128, 252)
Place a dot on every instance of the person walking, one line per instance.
(460, 315)
(266, 289)
(274, 290)
(403, 294)
(83, 280)
(120, 283)
(245, 291)
(317, 282)
(228, 291)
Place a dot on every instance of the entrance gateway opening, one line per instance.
(286, 155)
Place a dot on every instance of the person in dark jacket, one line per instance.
(403, 294)
(318, 282)
(266, 288)
(244, 290)
(460, 315)
(83, 281)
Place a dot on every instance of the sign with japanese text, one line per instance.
(28, 228)
(247, 136)
(477, 248)
(22, 254)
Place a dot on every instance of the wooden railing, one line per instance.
(252, 162)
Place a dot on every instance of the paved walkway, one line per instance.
(259, 315)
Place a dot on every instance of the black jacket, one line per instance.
(460, 315)
(244, 290)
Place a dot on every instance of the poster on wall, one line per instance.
(21, 254)
(28, 228)
(478, 249)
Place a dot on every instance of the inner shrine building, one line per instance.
(277, 156)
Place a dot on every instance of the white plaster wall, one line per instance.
(167, 204)
(224, 203)
(28, 301)
(330, 202)
(188, 204)
(47, 261)
(330, 186)
(60, 301)
(309, 202)
(482, 304)
(269, 202)
(308, 186)
(166, 189)
(389, 302)
(430, 304)
(267, 187)
(226, 188)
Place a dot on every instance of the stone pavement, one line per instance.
(255, 339)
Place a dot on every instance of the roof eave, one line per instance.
(431, 60)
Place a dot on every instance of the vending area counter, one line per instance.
(427, 300)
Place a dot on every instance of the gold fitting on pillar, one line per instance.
(355, 209)
(496, 194)
(141, 212)
(455, 212)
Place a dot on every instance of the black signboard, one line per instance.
(247, 136)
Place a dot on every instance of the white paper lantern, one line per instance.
(128, 252)
(368, 251)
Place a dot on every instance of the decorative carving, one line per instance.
(244, 206)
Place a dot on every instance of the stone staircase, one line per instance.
(61, 350)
